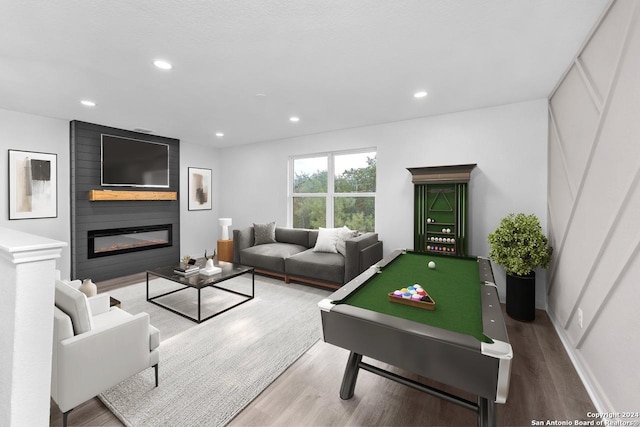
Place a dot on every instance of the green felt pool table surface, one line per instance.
(454, 285)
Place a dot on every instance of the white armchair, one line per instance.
(96, 346)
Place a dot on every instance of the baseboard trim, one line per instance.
(599, 401)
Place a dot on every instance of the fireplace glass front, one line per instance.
(122, 240)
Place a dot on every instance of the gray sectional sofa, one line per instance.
(292, 257)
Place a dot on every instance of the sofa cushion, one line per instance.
(327, 267)
(297, 236)
(327, 239)
(264, 233)
(343, 234)
(75, 305)
(108, 319)
(269, 256)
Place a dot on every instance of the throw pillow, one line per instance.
(343, 234)
(327, 240)
(264, 233)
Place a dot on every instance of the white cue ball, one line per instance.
(432, 265)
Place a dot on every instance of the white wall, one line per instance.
(19, 131)
(594, 209)
(199, 229)
(507, 142)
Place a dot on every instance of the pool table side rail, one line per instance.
(493, 326)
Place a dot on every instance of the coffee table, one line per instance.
(200, 282)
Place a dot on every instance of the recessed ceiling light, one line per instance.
(294, 119)
(219, 134)
(261, 95)
(420, 94)
(163, 65)
(88, 103)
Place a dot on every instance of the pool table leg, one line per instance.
(486, 413)
(350, 376)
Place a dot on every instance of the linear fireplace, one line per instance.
(115, 241)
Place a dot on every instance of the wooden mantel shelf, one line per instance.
(108, 195)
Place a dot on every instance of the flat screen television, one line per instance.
(133, 163)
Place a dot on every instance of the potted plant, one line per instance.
(519, 246)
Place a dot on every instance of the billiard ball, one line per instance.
(448, 230)
(432, 265)
(429, 220)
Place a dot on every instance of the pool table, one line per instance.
(462, 343)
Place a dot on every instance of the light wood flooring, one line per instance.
(544, 386)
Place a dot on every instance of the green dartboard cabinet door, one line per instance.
(440, 209)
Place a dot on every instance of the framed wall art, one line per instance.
(199, 189)
(33, 185)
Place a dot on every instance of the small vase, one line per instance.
(88, 288)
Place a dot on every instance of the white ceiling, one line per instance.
(336, 63)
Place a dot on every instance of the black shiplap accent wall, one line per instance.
(86, 215)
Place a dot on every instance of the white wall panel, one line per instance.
(614, 255)
(612, 347)
(561, 194)
(598, 264)
(576, 118)
(600, 55)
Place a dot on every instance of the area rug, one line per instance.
(211, 371)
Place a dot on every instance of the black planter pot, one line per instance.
(521, 297)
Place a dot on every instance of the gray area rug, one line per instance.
(210, 372)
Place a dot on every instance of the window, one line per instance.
(334, 189)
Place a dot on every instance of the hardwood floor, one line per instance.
(544, 386)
